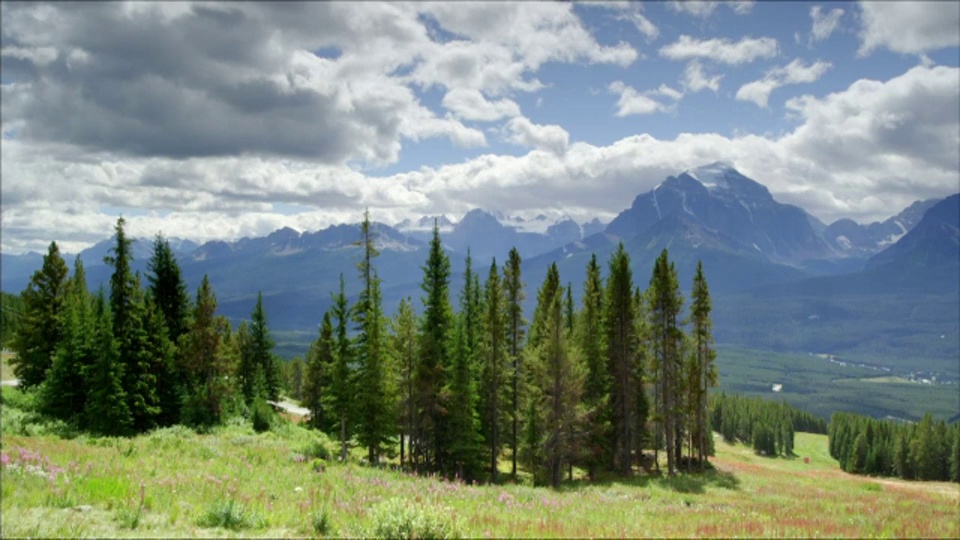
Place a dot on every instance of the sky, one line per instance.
(217, 121)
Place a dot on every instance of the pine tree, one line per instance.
(955, 455)
(430, 437)
(168, 288)
(163, 363)
(550, 286)
(142, 364)
(495, 366)
(65, 392)
(513, 289)
(406, 354)
(41, 324)
(342, 386)
(590, 338)
(705, 369)
(666, 338)
(621, 355)
(107, 412)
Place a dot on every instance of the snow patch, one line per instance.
(844, 242)
(893, 238)
(712, 176)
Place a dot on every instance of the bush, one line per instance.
(321, 522)
(317, 449)
(394, 518)
(230, 515)
(262, 416)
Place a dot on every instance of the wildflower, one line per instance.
(4, 459)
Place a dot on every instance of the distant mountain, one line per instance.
(721, 199)
(933, 242)
(853, 239)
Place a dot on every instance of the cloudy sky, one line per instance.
(221, 121)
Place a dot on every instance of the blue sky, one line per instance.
(226, 120)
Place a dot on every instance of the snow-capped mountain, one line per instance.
(720, 198)
(853, 239)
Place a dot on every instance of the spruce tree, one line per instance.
(513, 290)
(342, 386)
(590, 338)
(202, 362)
(65, 392)
(666, 338)
(316, 383)
(704, 354)
(495, 365)
(168, 288)
(41, 324)
(558, 378)
(431, 434)
(621, 355)
(405, 353)
(261, 345)
(107, 412)
(163, 363)
(142, 363)
(464, 426)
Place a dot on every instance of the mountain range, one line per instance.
(754, 249)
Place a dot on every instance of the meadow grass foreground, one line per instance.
(233, 482)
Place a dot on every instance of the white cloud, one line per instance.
(695, 79)
(551, 138)
(471, 105)
(909, 27)
(703, 9)
(633, 102)
(793, 73)
(721, 49)
(824, 24)
(643, 24)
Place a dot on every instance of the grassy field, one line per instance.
(233, 482)
(818, 386)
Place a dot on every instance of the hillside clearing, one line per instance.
(91, 487)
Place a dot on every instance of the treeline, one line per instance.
(138, 355)
(456, 391)
(927, 450)
(768, 426)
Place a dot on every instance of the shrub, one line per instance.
(231, 515)
(394, 518)
(321, 522)
(262, 416)
(319, 465)
(317, 449)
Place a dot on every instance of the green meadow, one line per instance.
(233, 482)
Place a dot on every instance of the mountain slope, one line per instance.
(718, 197)
(851, 238)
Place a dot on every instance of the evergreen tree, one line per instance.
(549, 288)
(405, 353)
(11, 308)
(65, 393)
(558, 387)
(202, 361)
(168, 288)
(590, 338)
(142, 364)
(316, 383)
(464, 426)
(41, 323)
(107, 412)
(430, 437)
(342, 387)
(621, 355)
(513, 289)
(260, 353)
(666, 338)
(163, 363)
(955, 455)
(704, 354)
(495, 366)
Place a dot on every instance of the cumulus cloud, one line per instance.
(824, 24)
(470, 104)
(551, 138)
(633, 102)
(793, 73)
(702, 9)
(695, 79)
(330, 82)
(909, 27)
(721, 50)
